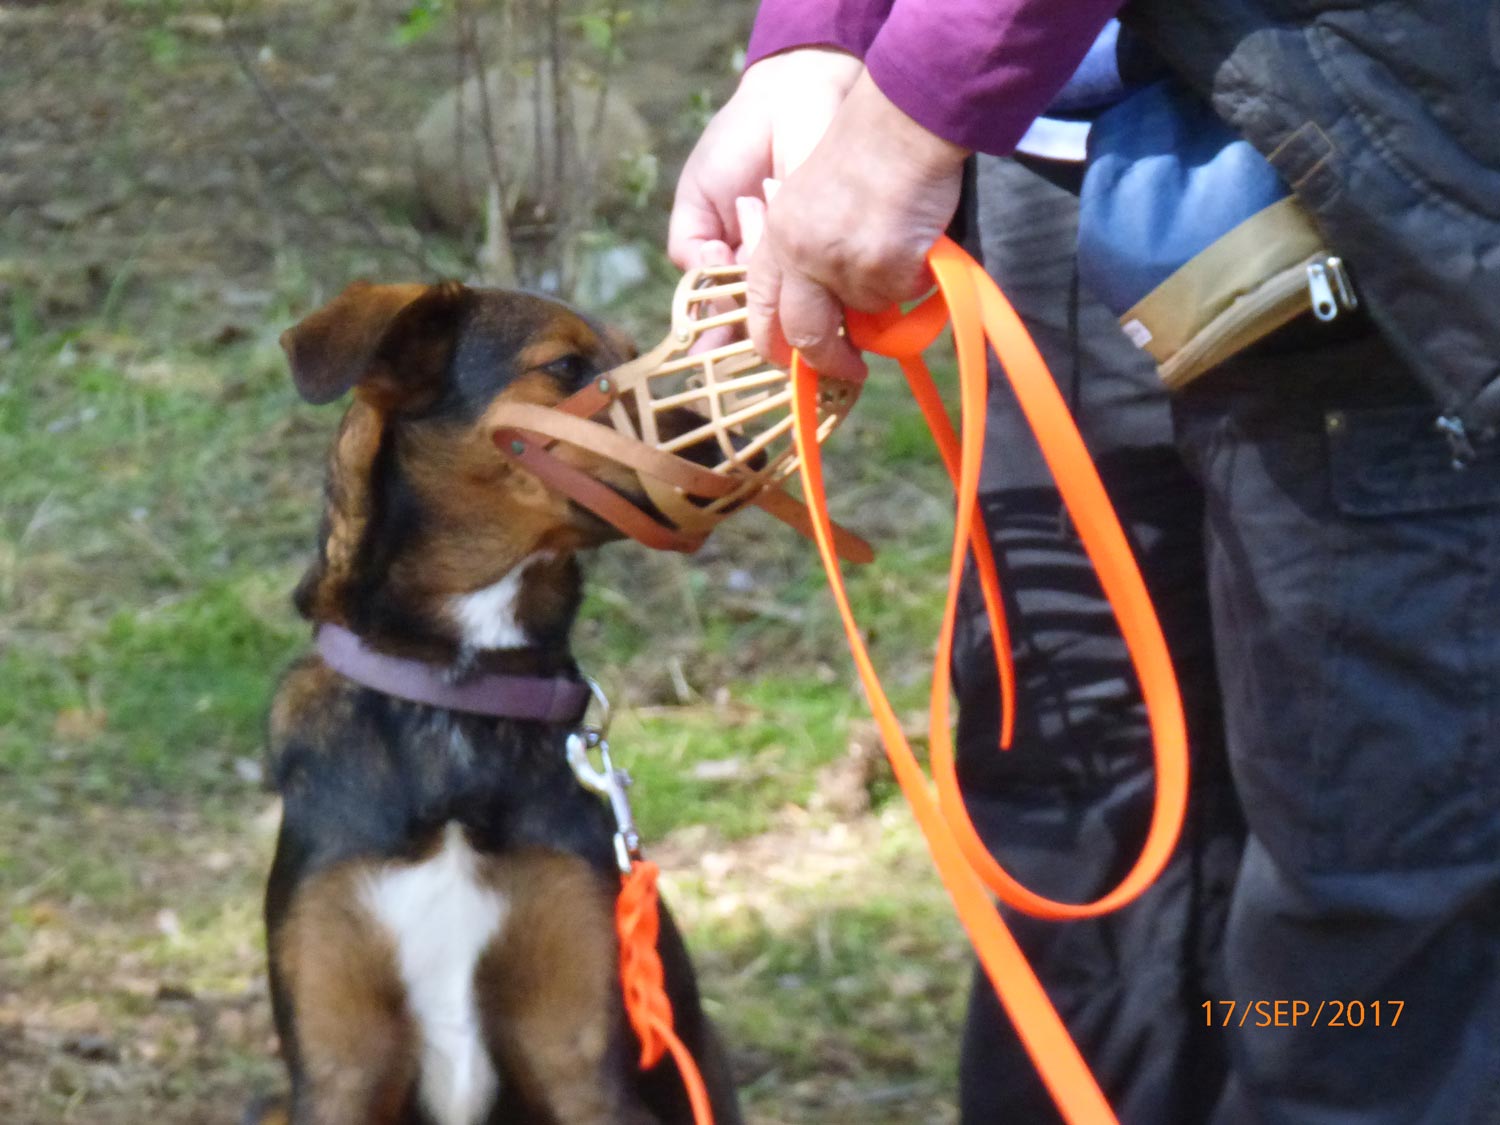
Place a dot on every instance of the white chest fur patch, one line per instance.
(487, 618)
(440, 918)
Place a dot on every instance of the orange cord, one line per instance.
(978, 313)
(638, 924)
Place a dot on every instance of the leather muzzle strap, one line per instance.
(529, 451)
(531, 433)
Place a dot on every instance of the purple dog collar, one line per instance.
(540, 699)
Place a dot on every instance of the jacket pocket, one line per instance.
(1391, 461)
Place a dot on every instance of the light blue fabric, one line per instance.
(1097, 80)
(1165, 179)
(1062, 133)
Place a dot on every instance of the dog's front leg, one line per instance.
(347, 1038)
(550, 994)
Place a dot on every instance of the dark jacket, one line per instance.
(1385, 119)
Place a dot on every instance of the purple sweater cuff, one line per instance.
(849, 25)
(975, 72)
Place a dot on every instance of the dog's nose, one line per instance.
(706, 450)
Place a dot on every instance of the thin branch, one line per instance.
(578, 194)
(595, 149)
(569, 200)
(498, 240)
(461, 63)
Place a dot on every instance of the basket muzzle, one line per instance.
(701, 423)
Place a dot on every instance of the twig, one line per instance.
(348, 196)
(159, 551)
(498, 243)
(461, 59)
(685, 591)
(594, 149)
(565, 151)
(764, 607)
(680, 686)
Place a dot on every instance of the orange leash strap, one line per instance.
(638, 925)
(979, 312)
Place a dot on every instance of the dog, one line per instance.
(439, 911)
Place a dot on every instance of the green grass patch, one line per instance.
(734, 764)
(154, 509)
(164, 697)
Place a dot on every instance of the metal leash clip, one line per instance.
(605, 779)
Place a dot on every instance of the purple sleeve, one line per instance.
(978, 72)
(850, 25)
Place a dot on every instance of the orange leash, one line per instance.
(979, 313)
(638, 924)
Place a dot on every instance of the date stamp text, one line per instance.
(1302, 1013)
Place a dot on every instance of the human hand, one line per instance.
(779, 112)
(851, 227)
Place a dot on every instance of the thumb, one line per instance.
(696, 220)
(811, 320)
(751, 213)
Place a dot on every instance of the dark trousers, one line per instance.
(1066, 808)
(1310, 549)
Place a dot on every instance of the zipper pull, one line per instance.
(1325, 305)
(1329, 286)
(1460, 448)
(1343, 288)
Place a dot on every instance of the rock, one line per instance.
(67, 212)
(608, 273)
(453, 172)
(198, 25)
(843, 786)
(71, 210)
(721, 770)
(167, 993)
(91, 1047)
(168, 925)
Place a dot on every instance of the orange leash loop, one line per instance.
(978, 311)
(904, 337)
(638, 925)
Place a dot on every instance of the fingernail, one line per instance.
(715, 253)
(751, 213)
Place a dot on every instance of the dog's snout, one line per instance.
(673, 425)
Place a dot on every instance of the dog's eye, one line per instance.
(570, 369)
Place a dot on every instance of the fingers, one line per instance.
(751, 213)
(762, 299)
(811, 320)
(715, 253)
(696, 222)
(790, 310)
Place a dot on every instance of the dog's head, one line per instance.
(430, 538)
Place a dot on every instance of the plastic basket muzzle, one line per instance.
(702, 422)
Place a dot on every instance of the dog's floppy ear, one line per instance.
(392, 341)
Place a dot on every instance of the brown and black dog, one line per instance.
(440, 908)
